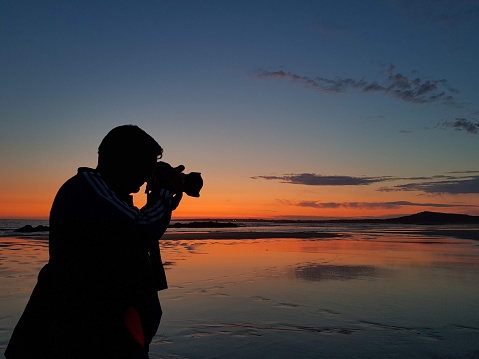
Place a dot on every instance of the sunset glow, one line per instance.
(316, 109)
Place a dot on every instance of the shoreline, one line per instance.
(248, 235)
(459, 233)
(469, 234)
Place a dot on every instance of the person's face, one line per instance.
(134, 173)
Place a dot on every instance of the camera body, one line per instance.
(192, 182)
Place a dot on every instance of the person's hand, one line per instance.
(175, 179)
(172, 179)
(175, 200)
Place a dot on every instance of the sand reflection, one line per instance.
(321, 272)
(365, 294)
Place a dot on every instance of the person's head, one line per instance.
(126, 157)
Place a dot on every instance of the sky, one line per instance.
(289, 109)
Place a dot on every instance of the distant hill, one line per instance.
(422, 218)
(435, 218)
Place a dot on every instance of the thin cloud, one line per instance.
(453, 186)
(397, 85)
(462, 124)
(453, 183)
(373, 205)
(312, 179)
(464, 172)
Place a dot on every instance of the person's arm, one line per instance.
(164, 197)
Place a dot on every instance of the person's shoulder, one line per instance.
(74, 190)
(78, 179)
(86, 173)
(83, 170)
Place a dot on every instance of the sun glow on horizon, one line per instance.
(38, 207)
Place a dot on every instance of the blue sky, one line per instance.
(249, 93)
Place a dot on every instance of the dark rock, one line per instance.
(28, 229)
(208, 224)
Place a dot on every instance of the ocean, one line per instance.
(8, 226)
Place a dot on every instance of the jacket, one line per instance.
(104, 262)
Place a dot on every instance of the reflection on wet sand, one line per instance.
(356, 294)
(320, 272)
(390, 295)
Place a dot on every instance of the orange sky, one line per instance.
(27, 194)
(325, 114)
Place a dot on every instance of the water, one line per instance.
(8, 226)
(374, 292)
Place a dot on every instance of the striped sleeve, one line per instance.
(158, 210)
(102, 189)
(147, 216)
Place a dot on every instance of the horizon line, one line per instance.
(276, 218)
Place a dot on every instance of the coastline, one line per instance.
(432, 224)
(247, 235)
(459, 232)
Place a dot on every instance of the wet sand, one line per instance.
(362, 294)
(459, 233)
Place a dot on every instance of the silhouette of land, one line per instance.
(421, 218)
(206, 224)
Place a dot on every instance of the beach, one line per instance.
(335, 292)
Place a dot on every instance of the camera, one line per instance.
(192, 182)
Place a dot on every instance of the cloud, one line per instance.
(465, 172)
(457, 182)
(312, 179)
(468, 185)
(462, 124)
(373, 205)
(397, 85)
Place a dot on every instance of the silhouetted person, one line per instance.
(97, 296)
